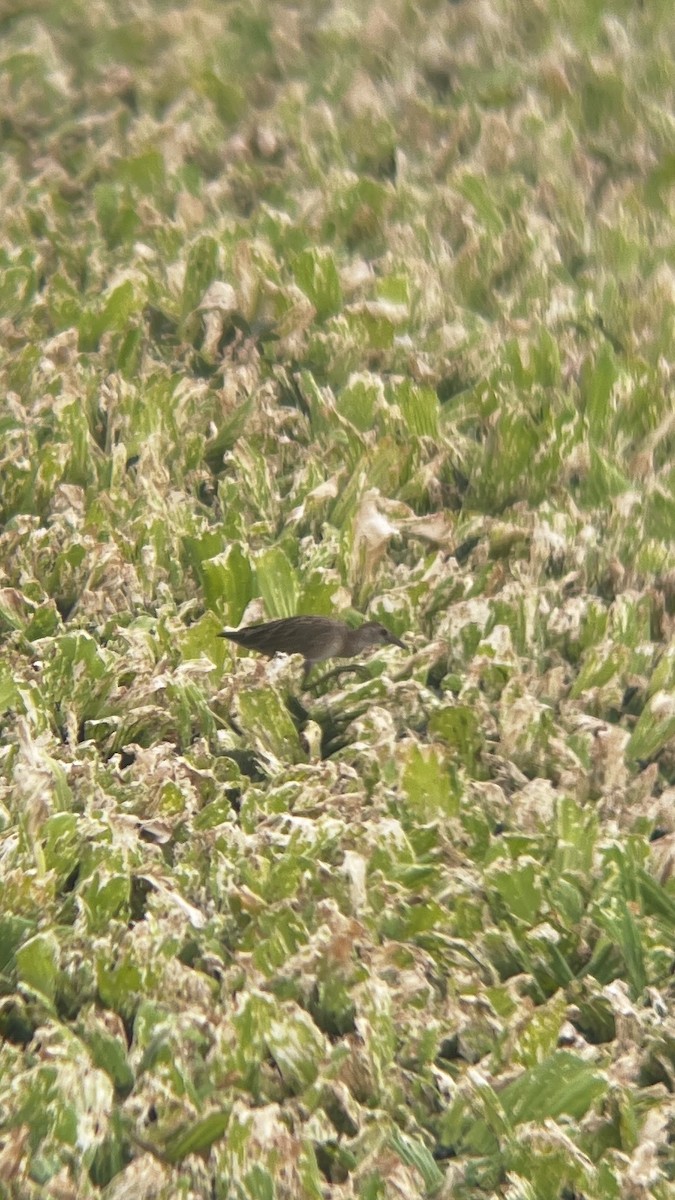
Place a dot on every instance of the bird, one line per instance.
(316, 638)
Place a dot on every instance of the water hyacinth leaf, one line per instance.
(227, 436)
(228, 583)
(277, 936)
(200, 270)
(358, 399)
(108, 1052)
(77, 664)
(459, 728)
(319, 402)
(129, 353)
(201, 639)
(45, 622)
(297, 1047)
(17, 285)
(37, 964)
(277, 583)
(197, 549)
(663, 676)
(104, 898)
(119, 984)
(10, 696)
(14, 932)
(538, 1039)
(264, 716)
(483, 1135)
(318, 595)
(604, 480)
(623, 929)
(358, 211)
(577, 832)
(198, 1137)
(427, 783)
(563, 1083)
(373, 329)
(420, 407)
(519, 888)
(599, 665)
(61, 843)
(117, 216)
(655, 898)
(417, 1155)
(228, 98)
(654, 729)
(659, 516)
(316, 273)
(597, 380)
(145, 172)
(112, 317)
(477, 192)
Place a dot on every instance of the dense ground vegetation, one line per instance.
(345, 308)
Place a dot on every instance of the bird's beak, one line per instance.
(396, 641)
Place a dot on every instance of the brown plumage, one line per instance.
(316, 638)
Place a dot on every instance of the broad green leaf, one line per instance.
(626, 933)
(198, 1137)
(459, 728)
(417, 1155)
(37, 963)
(200, 270)
(563, 1083)
(420, 408)
(264, 716)
(277, 583)
(228, 583)
(315, 272)
(655, 728)
(428, 784)
(520, 888)
(228, 98)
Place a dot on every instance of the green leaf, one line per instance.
(420, 407)
(520, 889)
(145, 172)
(108, 1053)
(417, 1155)
(13, 933)
(655, 727)
(16, 287)
(597, 381)
(297, 1048)
(427, 784)
(228, 583)
(228, 98)
(476, 189)
(200, 271)
(37, 963)
(624, 931)
(563, 1083)
(316, 273)
(277, 583)
(197, 1137)
(459, 728)
(357, 400)
(264, 716)
(113, 317)
(105, 897)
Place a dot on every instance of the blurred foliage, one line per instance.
(353, 309)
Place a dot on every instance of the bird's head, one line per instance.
(374, 634)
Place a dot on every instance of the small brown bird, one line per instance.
(316, 638)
